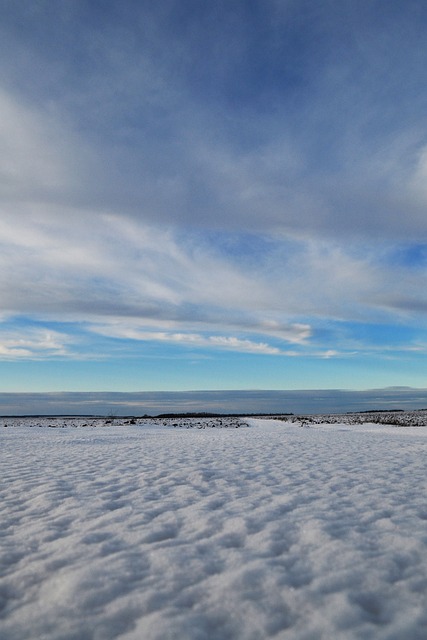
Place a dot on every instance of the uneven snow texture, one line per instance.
(273, 531)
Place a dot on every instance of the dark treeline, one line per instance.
(148, 417)
(216, 415)
(380, 411)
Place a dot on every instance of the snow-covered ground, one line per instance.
(145, 532)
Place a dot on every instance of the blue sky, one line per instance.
(213, 195)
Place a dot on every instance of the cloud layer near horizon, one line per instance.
(224, 177)
(244, 402)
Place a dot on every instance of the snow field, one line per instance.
(273, 531)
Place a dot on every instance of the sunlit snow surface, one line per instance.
(272, 531)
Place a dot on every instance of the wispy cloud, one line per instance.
(34, 344)
(131, 276)
(191, 340)
(32, 162)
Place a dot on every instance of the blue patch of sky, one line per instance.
(249, 61)
(361, 337)
(413, 256)
(24, 322)
(244, 248)
(356, 342)
(383, 335)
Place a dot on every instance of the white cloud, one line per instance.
(30, 162)
(93, 266)
(30, 343)
(331, 353)
(228, 343)
(73, 263)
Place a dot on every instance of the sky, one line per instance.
(226, 195)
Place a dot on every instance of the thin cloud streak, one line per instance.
(192, 340)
